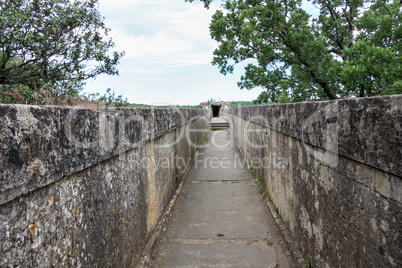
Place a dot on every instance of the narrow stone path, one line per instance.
(219, 219)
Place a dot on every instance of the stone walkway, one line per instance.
(219, 218)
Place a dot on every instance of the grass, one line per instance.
(200, 140)
(198, 143)
(175, 177)
(261, 184)
(268, 195)
(257, 176)
(260, 181)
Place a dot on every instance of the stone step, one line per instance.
(219, 123)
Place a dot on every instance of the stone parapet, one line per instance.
(84, 188)
(333, 172)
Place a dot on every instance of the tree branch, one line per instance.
(332, 12)
(334, 50)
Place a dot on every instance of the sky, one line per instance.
(168, 54)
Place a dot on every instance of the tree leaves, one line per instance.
(351, 49)
(50, 41)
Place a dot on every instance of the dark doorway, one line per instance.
(215, 110)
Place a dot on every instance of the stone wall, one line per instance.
(333, 172)
(81, 187)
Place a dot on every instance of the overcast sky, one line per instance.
(168, 54)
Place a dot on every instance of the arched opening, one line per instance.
(215, 110)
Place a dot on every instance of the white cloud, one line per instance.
(168, 53)
(160, 34)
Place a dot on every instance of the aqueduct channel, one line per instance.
(93, 188)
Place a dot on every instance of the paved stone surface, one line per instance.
(219, 219)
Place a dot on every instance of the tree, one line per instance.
(353, 48)
(206, 2)
(53, 41)
(109, 99)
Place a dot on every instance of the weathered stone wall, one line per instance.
(333, 171)
(81, 187)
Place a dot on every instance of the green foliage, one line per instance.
(110, 99)
(308, 263)
(47, 42)
(256, 175)
(205, 137)
(206, 2)
(63, 93)
(139, 105)
(243, 103)
(176, 177)
(268, 195)
(352, 49)
(57, 94)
